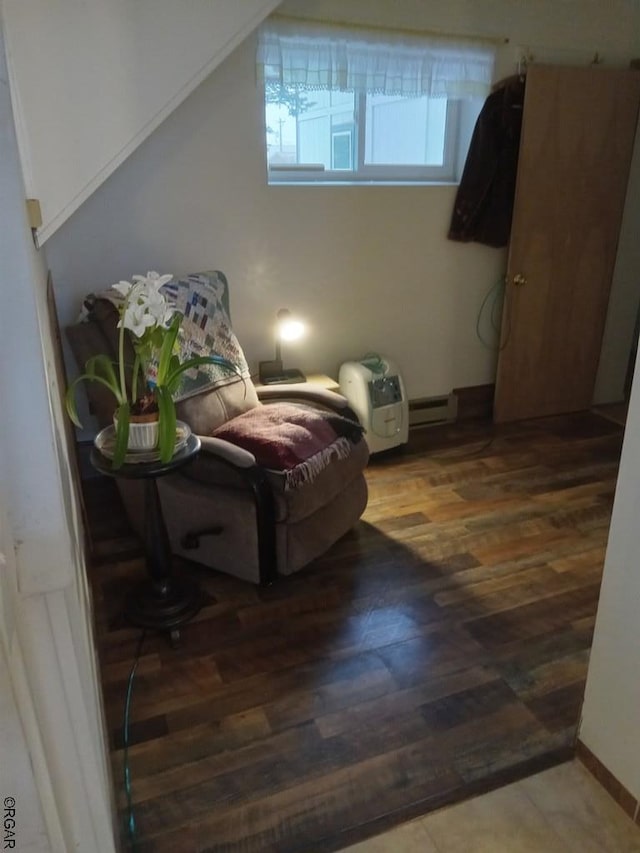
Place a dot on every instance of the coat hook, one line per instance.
(524, 61)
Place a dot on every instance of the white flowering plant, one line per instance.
(153, 325)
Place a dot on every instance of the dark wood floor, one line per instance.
(438, 650)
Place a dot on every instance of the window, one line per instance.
(349, 106)
(365, 137)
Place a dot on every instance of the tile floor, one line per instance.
(561, 810)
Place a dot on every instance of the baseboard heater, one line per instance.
(429, 411)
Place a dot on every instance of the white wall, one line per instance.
(45, 614)
(565, 26)
(92, 79)
(18, 780)
(611, 711)
(18, 776)
(625, 296)
(369, 267)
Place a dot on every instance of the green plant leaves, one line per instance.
(122, 434)
(167, 423)
(166, 350)
(172, 380)
(101, 366)
(100, 369)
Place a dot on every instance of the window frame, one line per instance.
(314, 173)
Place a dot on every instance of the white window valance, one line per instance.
(322, 56)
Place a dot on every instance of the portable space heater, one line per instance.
(375, 391)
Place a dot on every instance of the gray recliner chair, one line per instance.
(226, 510)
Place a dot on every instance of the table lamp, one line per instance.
(272, 372)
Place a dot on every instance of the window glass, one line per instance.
(342, 150)
(405, 131)
(321, 135)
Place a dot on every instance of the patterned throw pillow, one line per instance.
(203, 300)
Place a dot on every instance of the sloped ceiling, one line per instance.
(91, 79)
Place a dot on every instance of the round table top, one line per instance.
(140, 470)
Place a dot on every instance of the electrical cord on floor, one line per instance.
(464, 452)
(131, 821)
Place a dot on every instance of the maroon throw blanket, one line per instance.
(295, 440)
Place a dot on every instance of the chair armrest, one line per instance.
(256, 481)
(305, 393)
(236, 456)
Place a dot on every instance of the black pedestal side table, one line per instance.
(163, 601)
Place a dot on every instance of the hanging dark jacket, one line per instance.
(484, 202)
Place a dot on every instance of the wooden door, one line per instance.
(577, 138)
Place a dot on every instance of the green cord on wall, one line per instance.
(494, 298)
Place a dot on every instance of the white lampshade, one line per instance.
(289, 329)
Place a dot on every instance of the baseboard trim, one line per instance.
(475, 402)
(430, 411)
(609, 782)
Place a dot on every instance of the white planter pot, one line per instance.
(143, 436)
(143, 432)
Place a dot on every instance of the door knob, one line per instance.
(519, 280)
